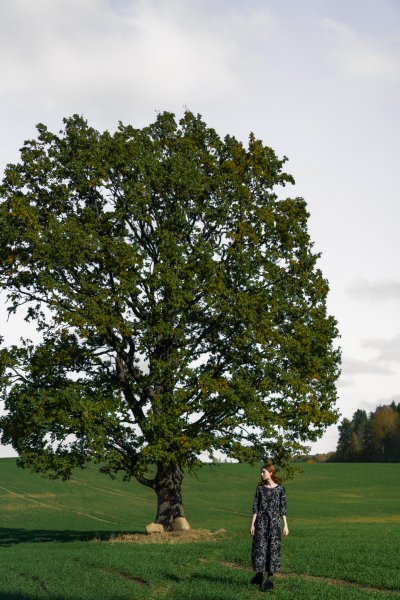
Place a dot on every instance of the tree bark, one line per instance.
(168, 487)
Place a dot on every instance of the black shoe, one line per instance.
(257, 579)
(267, 585)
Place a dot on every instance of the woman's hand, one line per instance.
(253, 524)
(285, 526)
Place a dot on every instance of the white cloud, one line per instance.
(388, 289)
(354, 366)
(388, 350)
(389, 399)
(344, 382)
(112, 55)
(361, 55)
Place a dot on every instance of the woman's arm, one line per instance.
(255, 511)
(282, 510)
(253, 524)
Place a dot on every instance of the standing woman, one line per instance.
(268, 508)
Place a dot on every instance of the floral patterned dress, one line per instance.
(269, 505)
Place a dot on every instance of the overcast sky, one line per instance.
(317, 80)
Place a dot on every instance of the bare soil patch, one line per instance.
(170, 537)
(341, 582)
(383, 519)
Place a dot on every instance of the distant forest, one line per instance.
(373, 437)
(370, 438)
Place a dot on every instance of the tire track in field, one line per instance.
(232, 512)
(122, 575)
(316, 578)
(108, 490)
(41, 584)
(342, 582)
(53, 505)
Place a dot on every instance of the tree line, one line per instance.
(373, 437)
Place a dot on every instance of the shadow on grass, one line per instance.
(8, 537)
(16, 596)
(193, 578)
(19, 596)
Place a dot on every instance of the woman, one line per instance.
(268, 508)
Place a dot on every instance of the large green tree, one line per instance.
(178, 301)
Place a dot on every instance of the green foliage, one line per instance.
(178, 299)
(370, 438)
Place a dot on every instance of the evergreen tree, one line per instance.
(343, 450)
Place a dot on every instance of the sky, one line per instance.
(317, 80)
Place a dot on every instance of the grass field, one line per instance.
(56, 538)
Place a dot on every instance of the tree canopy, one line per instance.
(178, 300)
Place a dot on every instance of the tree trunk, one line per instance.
(168, 487)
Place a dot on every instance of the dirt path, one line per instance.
(328, 580)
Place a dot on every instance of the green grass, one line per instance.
(344, 525)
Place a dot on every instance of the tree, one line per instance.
(343, 449)
(359, 426)
(178, 301)
(385, 433)
(366, 442)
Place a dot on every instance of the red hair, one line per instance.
(271, 469)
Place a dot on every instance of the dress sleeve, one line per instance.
(282, 502)
(256, 500)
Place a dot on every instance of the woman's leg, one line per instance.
(268, 583)
(258, 578)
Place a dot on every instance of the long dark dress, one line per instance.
(269, 505)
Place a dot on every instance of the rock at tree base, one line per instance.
(154, 528)
(180, 524)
